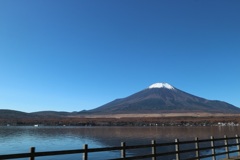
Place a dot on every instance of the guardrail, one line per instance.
(205, 148)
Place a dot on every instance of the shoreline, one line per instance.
(171, 119)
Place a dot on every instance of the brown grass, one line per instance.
(161, 115)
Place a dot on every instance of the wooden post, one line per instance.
(197, 148)
(32, 151)
(85, 153)
(213, 148)
(177, 149)
(238, 146)
(154, 150)
(123, 151)
(226, 146)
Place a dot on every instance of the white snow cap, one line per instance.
(161, 85)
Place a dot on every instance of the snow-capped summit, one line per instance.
(161, 85)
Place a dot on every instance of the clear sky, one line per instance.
(70, 55)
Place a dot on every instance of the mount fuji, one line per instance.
(164, 98)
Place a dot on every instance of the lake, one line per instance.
(20, 139)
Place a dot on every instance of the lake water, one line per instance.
(20, 139)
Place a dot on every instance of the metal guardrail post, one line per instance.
(154, 150)
(85, 153)
(123, 151)
(213, 148)
(32, 151)
(238, 146)
(197, 148)
(226, 146)
(177, 149)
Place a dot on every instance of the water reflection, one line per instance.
(20, 139)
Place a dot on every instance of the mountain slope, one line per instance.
(162, 98)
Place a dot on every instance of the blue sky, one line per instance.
(80, 54)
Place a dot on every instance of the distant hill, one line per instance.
(52, 113)
(12, 114)
(164, 98)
